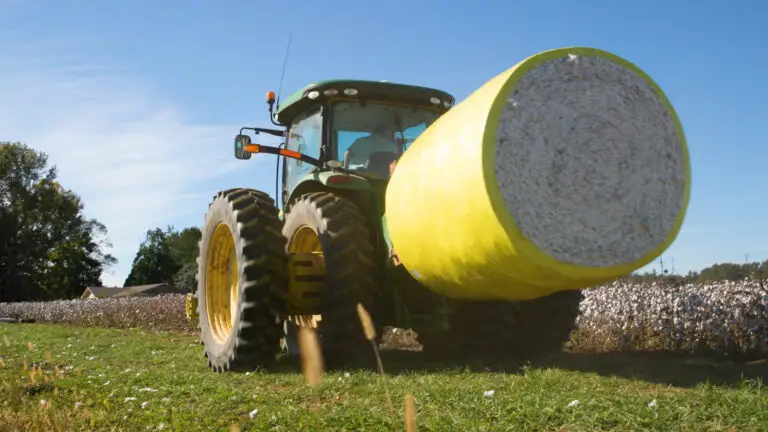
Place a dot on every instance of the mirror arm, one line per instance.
(275, 132)
(287, 153)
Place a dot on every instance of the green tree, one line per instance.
(185, 247)
(186, 277)
(728, 271)
(48, 249)
(166, 256)
(184, 244)
(154, 261)
(763, 270)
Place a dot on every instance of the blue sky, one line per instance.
(137, 102)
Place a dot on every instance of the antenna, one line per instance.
(285, 62)
(273, 117)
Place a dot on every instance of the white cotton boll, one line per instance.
(726, 317)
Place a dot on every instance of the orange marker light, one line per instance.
(270, 97)
(252, 148)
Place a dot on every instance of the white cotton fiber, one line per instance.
(589, 162)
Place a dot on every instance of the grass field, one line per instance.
(67, 378)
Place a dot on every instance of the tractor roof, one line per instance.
(383, 91)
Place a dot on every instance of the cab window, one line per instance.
(304, 136)
(368, 137)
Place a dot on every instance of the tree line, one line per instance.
(718, 272)
(50, 250)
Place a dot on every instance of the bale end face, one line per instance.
(591, 162)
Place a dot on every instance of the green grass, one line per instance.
(100, 368)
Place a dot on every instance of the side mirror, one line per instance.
(240, 142)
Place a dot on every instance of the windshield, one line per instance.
(369, 137)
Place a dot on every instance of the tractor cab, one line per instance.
(348, 126)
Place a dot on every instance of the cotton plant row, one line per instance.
(164, 312)
(727, 318)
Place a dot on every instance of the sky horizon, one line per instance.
(137, 103)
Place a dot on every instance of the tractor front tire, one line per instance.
(326, 223)
(242, 281)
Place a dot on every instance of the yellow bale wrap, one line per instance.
(450, 224)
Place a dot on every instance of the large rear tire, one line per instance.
(501, 331)
(334, 227)
(242, 281)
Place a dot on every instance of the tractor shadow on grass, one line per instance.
(401, 354)
(676, 370)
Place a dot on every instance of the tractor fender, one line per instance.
(339, 182)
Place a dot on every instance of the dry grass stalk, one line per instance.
(367, 322)
(370, 333)
(6, 340)
(311, 358)
(410, 413)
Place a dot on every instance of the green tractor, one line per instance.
(388, 199)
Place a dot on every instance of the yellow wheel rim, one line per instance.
(221, 282)
(306, 241)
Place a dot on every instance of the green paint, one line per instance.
(298, 101)
(365, 190)
(320, 181)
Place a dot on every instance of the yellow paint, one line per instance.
(191, 308)
(306, 258)
(221, 282)
(448, 221)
